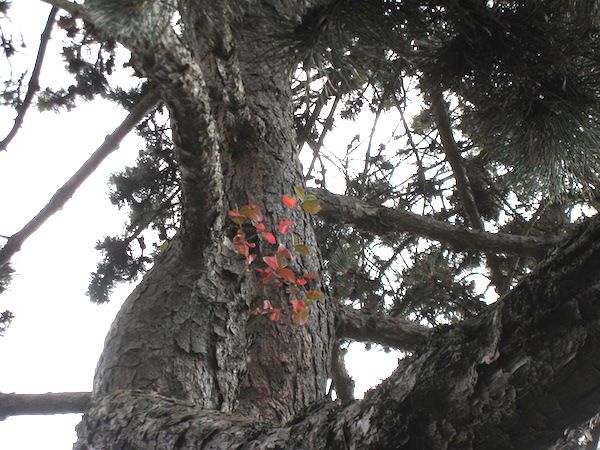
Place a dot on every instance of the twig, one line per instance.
(60, 198)
(34, 82)
(442, 119)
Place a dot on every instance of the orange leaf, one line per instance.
(285, 225)
(274, 315)
(252, 212)
(289, 201)
(312, 276)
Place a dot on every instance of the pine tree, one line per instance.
(475, 194)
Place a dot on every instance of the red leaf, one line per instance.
(301, 281)
(243, 246)
(291, 202)
(265, 274)
(236, 217)
(269, 237)
(267, 308)
(282, 250)
(285, 225)
(312, 276)
(271, 262)
(310, 206)
(260, 227)
(252, 212)
(297, 306)
(287, 274)
(250, 258)
(267, 305)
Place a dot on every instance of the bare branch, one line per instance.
(442, 119)
(34, 82)
(72, 8)
(51, 403)
(381, 329)
(342, 381)
(381, 220)
(60, 198)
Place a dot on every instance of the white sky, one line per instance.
(57, 335)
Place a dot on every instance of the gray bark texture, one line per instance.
(514, 377)
(187, 331)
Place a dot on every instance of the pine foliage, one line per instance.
(520, 78)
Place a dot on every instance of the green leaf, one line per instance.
(236, 216)
(314, 295)
(299, 192)
(311, 206)
(301, 317)
(302, 249)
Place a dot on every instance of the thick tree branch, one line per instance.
(514, 377)
(34, 82)
(463, 186)
(60, 198)
(51, 403)
(381, 220)
(385, 330)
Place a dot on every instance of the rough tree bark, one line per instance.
(186, 365)
(514, 377)
(186, 331)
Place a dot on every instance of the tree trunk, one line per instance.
(186, 364)
(187, 331)
(514, 377)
